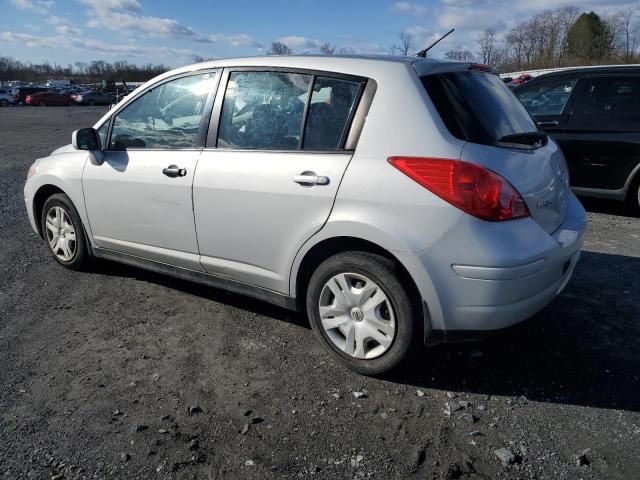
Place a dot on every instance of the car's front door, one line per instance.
(139, 198)
(270, 181)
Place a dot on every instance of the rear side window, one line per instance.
(477, 107)
(332, 105)
(612, 96)
(548, 98)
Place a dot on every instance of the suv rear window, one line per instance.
(477, 107)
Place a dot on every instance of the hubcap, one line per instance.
(357, 316)
(61, 234)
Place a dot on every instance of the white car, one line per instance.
(397, 201)
(6, 98)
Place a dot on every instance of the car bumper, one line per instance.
(485, 276)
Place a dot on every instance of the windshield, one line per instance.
(477, 107)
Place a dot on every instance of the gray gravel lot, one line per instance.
(119, 373)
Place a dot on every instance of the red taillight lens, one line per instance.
(470, 187)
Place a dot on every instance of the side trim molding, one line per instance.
(214, 281)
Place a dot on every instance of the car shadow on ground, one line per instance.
(582, 349)
(610, 207)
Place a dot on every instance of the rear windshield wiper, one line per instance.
(527, 140)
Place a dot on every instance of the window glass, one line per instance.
(329, 112)
(548, 98)
(167, 116)
(102, 134)
(477, 107)
(610, 96)
(263, 110)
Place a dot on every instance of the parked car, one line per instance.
(48, 98)
(398, 201)
(21, 93)
(519, 80)
(6, 98)
(94, 98)
(594, 115)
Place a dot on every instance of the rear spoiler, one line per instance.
(427, 67)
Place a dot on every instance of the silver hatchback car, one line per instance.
(398, 201)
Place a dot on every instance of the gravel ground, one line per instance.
(119, 373)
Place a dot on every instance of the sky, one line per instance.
(176, 33)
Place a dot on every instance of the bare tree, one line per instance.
(487, 41)
(405, 44)
(625, 29)
(327, 49)
(279, 48)
(459, 54)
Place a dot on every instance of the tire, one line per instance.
(60, 203)
(4, 102)
(71, 103)
(42, 103)
(396, 318)
(91, 103)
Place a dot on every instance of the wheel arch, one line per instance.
(40, 197)
(328, 247)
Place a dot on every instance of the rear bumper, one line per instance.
(485, 276)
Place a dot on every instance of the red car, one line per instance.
(48, 98)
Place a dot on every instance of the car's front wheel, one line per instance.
(362, 313)
(63, 232)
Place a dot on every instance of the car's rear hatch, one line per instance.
(500, 135)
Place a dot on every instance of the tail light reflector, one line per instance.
(472, 188)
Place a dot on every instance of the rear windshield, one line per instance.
(477, 106)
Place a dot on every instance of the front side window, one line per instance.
(331, 107)
(166, 117)
(263, 110)
(548, 98)
(612, 96)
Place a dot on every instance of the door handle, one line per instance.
(174, 171)
(547, 124)
(307, 179)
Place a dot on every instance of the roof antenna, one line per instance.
(423, 53)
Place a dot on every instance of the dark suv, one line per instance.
(594, 114)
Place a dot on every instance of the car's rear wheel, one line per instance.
(71, 103)
(42, 103)
(63, 232)
(91, 103)
(362, 313)
(4, 102)
(633, 195)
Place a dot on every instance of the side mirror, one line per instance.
(86, 139)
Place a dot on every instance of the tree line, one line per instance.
(80, 72)
(559, 38)
(554, 38)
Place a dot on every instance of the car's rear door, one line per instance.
(267, 180)
(139, 200)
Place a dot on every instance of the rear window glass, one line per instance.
(477, 107)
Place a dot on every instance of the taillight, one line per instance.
(470, 187)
